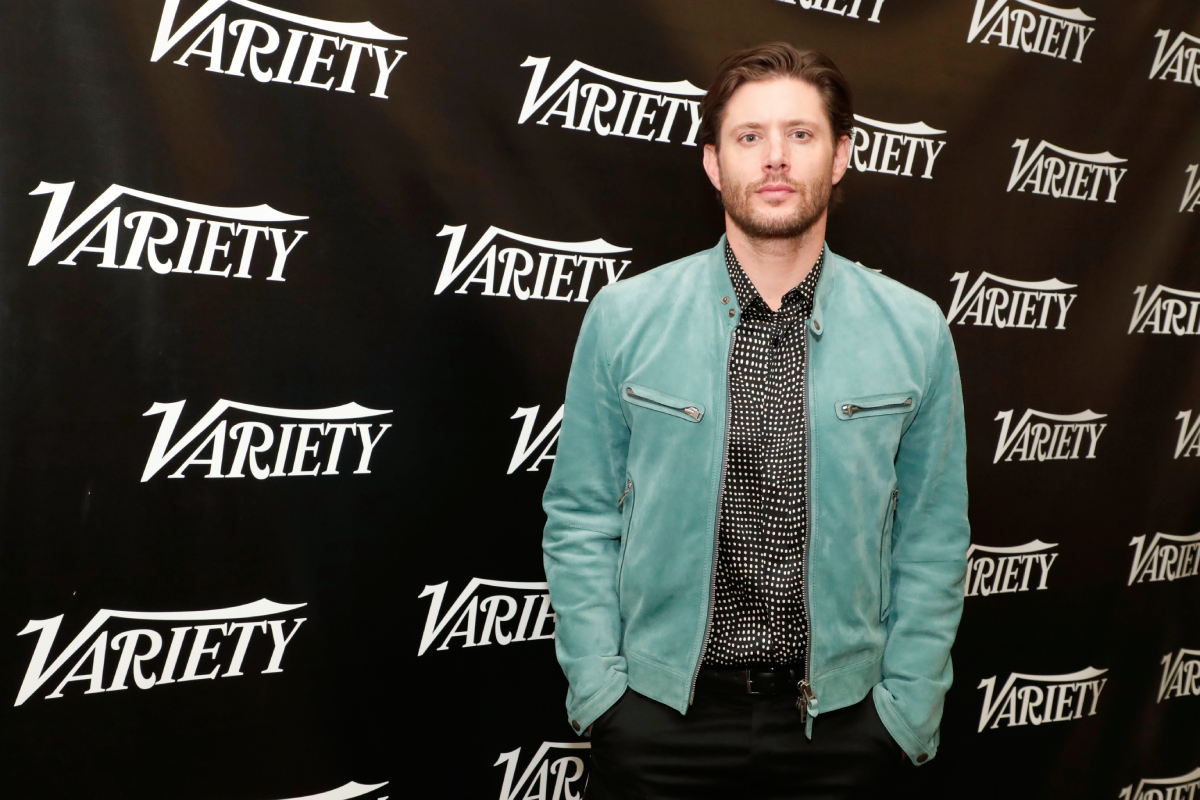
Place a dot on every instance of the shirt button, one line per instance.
(575, 724)
(725, 301)
(921, 759)
(731, 311)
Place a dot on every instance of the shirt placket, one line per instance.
(774, 484)
(761, 390)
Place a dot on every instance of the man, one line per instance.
(757, 529)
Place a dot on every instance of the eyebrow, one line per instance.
(789, 123)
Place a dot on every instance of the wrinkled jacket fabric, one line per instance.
(645, 419)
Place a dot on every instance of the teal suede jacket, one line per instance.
(632, 501)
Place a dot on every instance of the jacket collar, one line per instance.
(725, 298)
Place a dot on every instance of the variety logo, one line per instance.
(1181, 675)
(1029, 304)
(649, 110)
(310, 452)
(880, 147)
(1166, 311)
(1040, 699)
(1050, 31)
(1189, 435)
(527, 443)
(153, 230)
(1182, 788)
(1001, 570)
(1060, 439)
(1178, 61)
(561, 762)
(1191, 194)
(1076, 176)
(1166, 559)
(142, 658)
(843, 8)
(571, 260)
(480, 599)
(255, 45)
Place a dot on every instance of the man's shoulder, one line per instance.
(903, 302)
(666, 281)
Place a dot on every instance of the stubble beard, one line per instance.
(738, 200)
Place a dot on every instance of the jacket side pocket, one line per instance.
(885, 557)
(626, 502)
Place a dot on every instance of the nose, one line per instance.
(776, 154)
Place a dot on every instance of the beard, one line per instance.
(813, 197)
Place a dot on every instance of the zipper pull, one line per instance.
(807, 697)
(895, 498)
(850, 410)
(628, 486)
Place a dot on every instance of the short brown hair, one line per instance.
(778, 60)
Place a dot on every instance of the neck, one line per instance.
(776, 266)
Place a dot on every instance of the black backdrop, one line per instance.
(398, 681)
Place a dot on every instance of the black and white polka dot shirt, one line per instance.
(758, 606)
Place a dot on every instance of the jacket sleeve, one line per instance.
(929, 546)
(581, 541)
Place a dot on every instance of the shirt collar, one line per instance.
(798, 300)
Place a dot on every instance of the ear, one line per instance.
(841, 159)
(712, 166)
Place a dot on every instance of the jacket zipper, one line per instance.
(850, 409)
(807, 695)
(712, 587)
(691, 411)
(628, 486)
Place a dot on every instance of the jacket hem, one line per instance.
(856, 665)
(846, 685)
(658, 681)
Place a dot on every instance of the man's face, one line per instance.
(778, 162)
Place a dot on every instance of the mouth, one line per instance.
(775, 191)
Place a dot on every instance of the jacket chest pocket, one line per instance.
(885, 557)
(645, 397)
(875, 405)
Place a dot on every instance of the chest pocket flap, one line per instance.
(644, 396)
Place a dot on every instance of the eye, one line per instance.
(748, 137)
(802, 134)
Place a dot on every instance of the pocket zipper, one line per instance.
(628, 486)
(850, 409)
(691, 411)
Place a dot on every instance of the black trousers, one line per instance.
(735, 746)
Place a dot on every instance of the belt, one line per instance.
(752, 680)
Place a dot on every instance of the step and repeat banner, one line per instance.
(288, 298)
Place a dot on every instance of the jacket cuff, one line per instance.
(919, 752)
(582, 715)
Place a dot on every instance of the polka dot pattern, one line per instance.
(758, 607)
